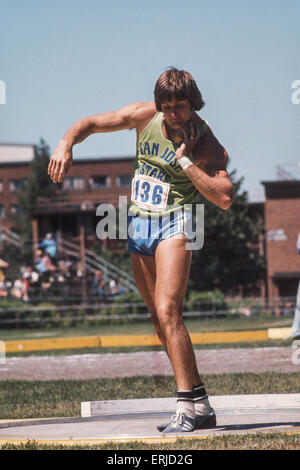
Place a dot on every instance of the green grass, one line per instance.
(198, 325)
(21, 399)
(257, 441)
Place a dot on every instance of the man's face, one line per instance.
(176, 112)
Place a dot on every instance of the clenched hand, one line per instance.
(60, 162)
(191, 134)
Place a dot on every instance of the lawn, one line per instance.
(145, 327)
(194, 325)
(61, 398)
(258, 441)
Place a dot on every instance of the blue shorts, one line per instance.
(144, 232)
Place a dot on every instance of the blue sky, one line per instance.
(65, 59)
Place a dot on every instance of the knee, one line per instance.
(169, 316)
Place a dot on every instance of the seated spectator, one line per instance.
(49, 244)
(23, 268)
(115, 288)
(46, 282)
(64, 266)
(60, 278)
(31, 275)
(31, 283)
(18, 289)
(39, 263)
(47, 262)
(100, 287)
(103, 290)
(119, 287)
(96, 281)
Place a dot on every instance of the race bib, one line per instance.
(149, 193)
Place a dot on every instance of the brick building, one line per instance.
(90, 182)
(15, 168)
(282, 226)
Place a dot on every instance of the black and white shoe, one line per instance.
(179, 423)
(200, 422)
(206, 421)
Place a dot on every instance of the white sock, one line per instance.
(185, 403)
(201, 401)
(186, 407)
(202, 407)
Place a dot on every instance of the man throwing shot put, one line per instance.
(177, 155)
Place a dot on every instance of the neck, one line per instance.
(172, 134)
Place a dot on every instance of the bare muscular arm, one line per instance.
(209, 171)
(128, 117)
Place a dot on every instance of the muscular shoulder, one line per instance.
(140, 114)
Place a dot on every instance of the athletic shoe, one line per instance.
(206, 421)
(201, 422)
(179, 423)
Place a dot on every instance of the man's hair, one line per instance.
(178, 84)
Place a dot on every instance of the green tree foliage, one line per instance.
(229, 258)
(38, 185)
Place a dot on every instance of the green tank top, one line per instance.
(159, 184)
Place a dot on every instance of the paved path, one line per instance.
(235, 414)
(210, 361)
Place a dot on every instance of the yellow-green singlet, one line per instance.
(159, 184)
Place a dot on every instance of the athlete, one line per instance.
(177, 155)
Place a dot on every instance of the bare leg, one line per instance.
(144, 270)
(173, 263)
(162, 282)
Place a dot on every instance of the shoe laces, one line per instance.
(178, 418)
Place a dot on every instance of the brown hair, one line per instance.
(179, 84)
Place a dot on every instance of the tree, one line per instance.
(36, 186)
(229, 258)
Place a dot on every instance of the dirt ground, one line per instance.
(210, 361)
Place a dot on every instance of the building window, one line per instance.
(123, 180)
(100, 181)
(16, 185)
(74, 182)
(1, 186)
(2, 213)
